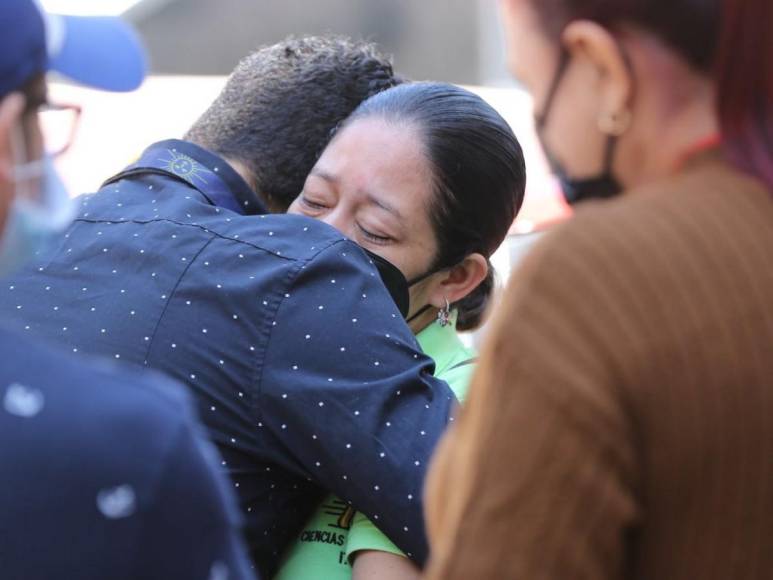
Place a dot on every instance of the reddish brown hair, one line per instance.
(731, 40)
(744, 73)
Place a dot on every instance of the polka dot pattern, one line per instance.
(293, 354)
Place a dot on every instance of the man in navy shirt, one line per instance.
(302, 366)
(105, 474)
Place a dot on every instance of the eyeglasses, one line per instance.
(59, 124)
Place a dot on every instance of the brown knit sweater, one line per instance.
(621, 422)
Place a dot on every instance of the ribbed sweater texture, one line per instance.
(620, 424)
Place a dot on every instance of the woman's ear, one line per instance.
(597, 47)
(459, 281)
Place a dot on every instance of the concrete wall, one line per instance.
(450, 40)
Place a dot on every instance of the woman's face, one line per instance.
(373, 183)
(571, 133)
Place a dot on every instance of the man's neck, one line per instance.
(249, 178)
(242, 170)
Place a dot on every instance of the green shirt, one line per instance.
(336, 531)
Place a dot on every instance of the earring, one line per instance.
(444, 315)
(615, 124)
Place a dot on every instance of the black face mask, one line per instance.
(397, 286)
(603, 185)
(415, 281)
(394, 281)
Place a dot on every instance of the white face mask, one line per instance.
(33, 222)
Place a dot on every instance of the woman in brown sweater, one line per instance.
(621, 422)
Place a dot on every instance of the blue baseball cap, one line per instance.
(101, 52)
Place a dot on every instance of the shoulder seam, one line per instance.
(212, 233)
(292, 278)
(171, 295)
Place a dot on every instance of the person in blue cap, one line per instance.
(105, 473)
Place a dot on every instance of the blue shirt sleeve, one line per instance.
(349, 396)
(192, 529)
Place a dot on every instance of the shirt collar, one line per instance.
(441, 343)
(212, 175)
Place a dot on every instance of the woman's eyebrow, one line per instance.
(373, 199)
(322, 174)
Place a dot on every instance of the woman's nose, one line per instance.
(341, 219)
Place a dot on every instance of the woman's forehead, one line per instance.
(379, 159)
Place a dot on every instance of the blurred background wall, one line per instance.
(193, 44)
(450, 40)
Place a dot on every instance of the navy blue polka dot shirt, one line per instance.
(305, 373)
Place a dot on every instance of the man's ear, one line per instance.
(594, 45)
(459, 281)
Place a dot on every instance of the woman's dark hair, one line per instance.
(730, 40)
(478, 169)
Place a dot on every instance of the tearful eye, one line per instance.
(375, 238)
(312, 205)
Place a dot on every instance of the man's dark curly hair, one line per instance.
(282, 103)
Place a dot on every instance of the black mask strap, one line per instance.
(421, 278)
(609, 154)
(413, 281)
(394, 281)
(563, 63)
(419, 312)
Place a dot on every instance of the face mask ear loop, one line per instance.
(609, 154)
(563, 63)
(419, 312)
(417, 280)
(423, 277)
